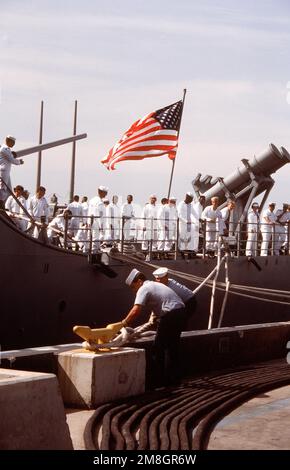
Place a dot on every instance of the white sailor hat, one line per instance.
(103, 188)
(173, 198)
(255, 204)
(106, 199)
(153, 195)
(10, 137)
(160, 272)
(133, 274)
(272, 203)
(189, 194)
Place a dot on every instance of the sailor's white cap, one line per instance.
(160, 272)
(173, 198)
(10, 137)
(153, 195)
(189, 194)
(103, 188)
(255, 204)
(106, 199)
(133, 274)
(272, 203)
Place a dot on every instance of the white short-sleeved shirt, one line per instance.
(158, 297)
(182, 291)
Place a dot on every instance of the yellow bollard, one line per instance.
(98, 335)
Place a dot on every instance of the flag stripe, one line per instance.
(171, 139)
(154, 135)
(134, 156)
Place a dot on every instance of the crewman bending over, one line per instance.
(169, 309)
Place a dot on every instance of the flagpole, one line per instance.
(173, 162)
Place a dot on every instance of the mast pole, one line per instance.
(173, 162)
(73, 158)
(38, 177)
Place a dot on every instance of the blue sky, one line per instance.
(124, 59)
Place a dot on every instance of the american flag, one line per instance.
(152, 136)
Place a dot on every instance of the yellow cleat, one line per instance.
(98, 335)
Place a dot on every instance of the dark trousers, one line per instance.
(166, 347)
(190, 306)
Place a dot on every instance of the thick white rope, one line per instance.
(221, 285)
(126, 335)
(226, 292)
(212, 300)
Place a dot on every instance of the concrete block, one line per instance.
(32, 412)
(87, 379)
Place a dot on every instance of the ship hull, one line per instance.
(45, 291)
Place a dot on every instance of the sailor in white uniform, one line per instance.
(253, 220)
(7, 158)
(163, 225)
(167, 222)
(150, 226)
(268, 228)
(188, 224)
(14, 208)
(199, 205)
(198, 208)
(113, 215)
(227, 217)
(281, 227)
(60, 223)
(85, 208)
(77, 212)
(97, 209)
(214, 224)
(38, 208)
(128, 215)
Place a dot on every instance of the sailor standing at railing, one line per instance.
(14, 208)
(268, 220)
(228, 218)
(199, 205)
(38, 208)
(85, 208)
(163, 225)
(128, 215)
(253, 220)
(105, 227)
(77, 212)
(150, 227)
(97, 210)
(188, 225)
(7, 158)
(113, 215)
(214, 224)
(281, 227)
(167, 219)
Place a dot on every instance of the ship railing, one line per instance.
(161, 238)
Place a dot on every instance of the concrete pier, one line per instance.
(88, 379)
(32, 412)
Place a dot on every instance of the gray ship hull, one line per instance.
(45, 291)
